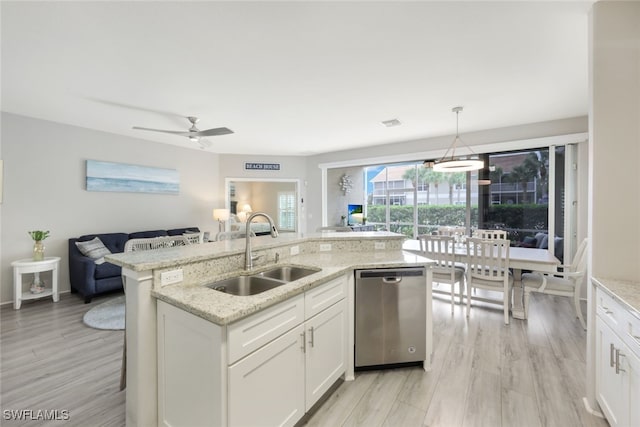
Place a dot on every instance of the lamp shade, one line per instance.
(221, 214)
(246, 208)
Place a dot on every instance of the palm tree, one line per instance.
(418, 175)
(539, 161)
(456, 178)
(522, 174)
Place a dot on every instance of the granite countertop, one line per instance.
(626, 292)
(169, 257)
(221, 308)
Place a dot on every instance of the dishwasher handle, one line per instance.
(392, 280)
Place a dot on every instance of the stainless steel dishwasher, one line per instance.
(390, 316)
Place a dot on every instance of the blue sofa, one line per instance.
(88, 278)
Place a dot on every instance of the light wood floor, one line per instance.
(484, 373)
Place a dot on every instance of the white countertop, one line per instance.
(626, 292)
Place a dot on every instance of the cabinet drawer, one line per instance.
(631, 334)
(608, 309)
(324, 296)
(251, 333)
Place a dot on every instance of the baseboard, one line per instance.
(591, 410)
(11, 302)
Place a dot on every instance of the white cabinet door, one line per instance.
(632, 366)
(326, 350)
(610, 387)
(265, 388)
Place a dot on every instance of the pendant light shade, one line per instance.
(449, 163)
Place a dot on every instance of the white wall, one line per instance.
(291, 167)
(615, 135)
(44, 188)
(337, 200)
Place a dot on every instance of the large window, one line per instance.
(513, 192)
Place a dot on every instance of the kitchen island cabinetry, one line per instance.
(275, 365)
(617, 361)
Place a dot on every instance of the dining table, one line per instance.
(520, 258)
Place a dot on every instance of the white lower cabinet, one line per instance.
(265, 370)
(264, 387)
(617, 362)
(326, 349)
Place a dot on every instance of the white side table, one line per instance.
(28, 265)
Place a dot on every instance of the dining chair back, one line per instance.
(490, 234)
(451, 230)
(488, 268)
(567, 282)
(441, 250)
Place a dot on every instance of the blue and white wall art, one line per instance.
(108, 176)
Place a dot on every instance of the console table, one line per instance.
(28, 265)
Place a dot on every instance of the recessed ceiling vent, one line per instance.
(391, 123)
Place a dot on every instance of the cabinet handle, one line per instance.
(611, 351)
(304, 342)
(311, 341)
(618, 354)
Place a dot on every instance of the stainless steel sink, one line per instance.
(248, 285)
(288, 273)
(245, 285)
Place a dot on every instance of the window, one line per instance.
(287, 211)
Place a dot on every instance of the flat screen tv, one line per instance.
(357, 218)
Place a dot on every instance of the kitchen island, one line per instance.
(175, 279)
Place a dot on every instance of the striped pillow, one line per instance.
(94, 249)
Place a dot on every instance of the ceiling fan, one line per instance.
(193, 133)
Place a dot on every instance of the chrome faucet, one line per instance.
(248, 257)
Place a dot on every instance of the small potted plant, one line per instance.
(38, 248)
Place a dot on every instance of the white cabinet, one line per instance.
(266, 369)
(279, 382)
(617, 362)
(325, 351)
(264, 387)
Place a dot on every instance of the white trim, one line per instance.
(551, 204)
(521, 144)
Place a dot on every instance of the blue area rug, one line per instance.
(108, 315)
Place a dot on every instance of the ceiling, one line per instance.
(294, 78)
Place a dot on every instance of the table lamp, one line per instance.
(221, 215)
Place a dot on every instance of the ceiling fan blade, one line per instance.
(213, 132)
(174, 132)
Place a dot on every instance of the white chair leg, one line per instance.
(461, 289)
(453, 293)
(576, 304)
(469, 300)
(506, 306)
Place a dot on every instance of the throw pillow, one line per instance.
(94, 249)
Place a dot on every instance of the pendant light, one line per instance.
(453, 164)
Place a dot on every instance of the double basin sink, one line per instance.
(247, 285)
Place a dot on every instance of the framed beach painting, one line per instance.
(121, 177)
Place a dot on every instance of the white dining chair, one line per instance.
(441, 250)
(488, 269)
(566, 283)
(490, 234)
(451, 230)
